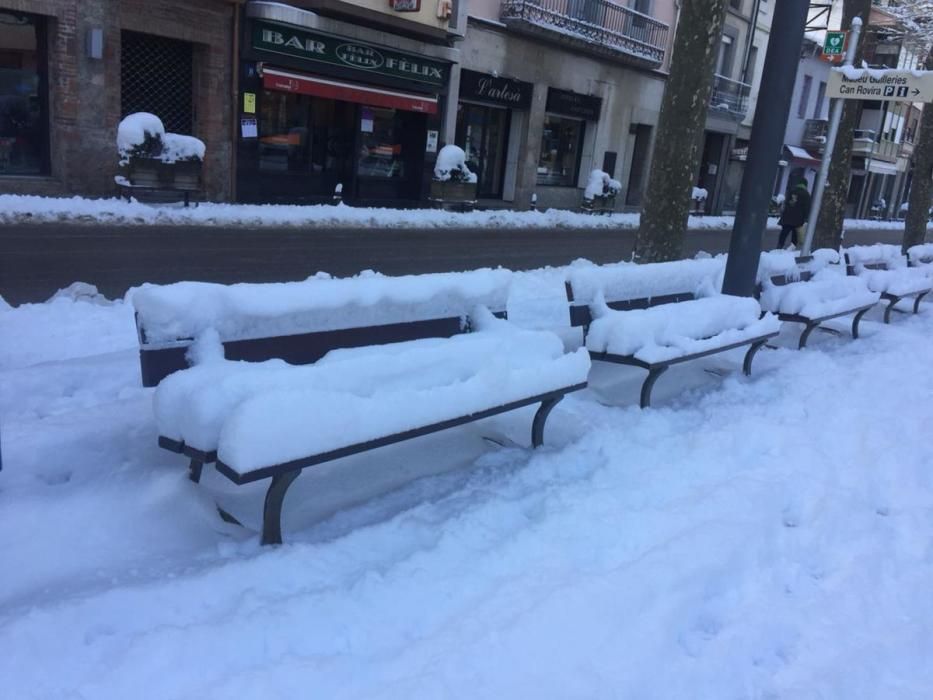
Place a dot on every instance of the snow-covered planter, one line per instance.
(698, 196)
(152, 158)
(453, 183)
(600, 193)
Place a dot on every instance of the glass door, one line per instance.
(483, 134)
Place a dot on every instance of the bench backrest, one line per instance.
(300, 322)
(581, 316)
(158, 360)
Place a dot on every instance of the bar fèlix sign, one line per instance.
(349, 54)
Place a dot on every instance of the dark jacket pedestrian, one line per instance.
(796, 211)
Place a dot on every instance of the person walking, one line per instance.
(796, 211)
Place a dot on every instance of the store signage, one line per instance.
(336, 51)
(867, 84)
(488, 88)
(572, 104)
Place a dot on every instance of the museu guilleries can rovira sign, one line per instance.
(347, 53)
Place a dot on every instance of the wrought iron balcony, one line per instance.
(863, 142)
(596, 26)
(729, 96)
(814, 134)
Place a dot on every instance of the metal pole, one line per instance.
(834, 118)
(764, 148)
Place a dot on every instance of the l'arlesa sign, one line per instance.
(337, 51)
(489, 88)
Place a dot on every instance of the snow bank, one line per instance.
(631, 281)
(186, 309)
(668, 331)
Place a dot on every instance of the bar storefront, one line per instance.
(317, 110)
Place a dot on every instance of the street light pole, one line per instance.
(834, 118)
(764, 147)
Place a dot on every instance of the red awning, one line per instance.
(275, 79)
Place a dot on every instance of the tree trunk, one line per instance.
(921, 186)
(828, 233)
(679, 138)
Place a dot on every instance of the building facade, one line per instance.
(550, 90)
(71, 69)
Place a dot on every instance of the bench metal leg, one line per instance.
(750, 355)
(917, 302)
(537, 426)
(855, 321)
(648, 385)
(272, 511)
(887, 311)
(805, 336)
(194, 470)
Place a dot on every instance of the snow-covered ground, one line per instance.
(23, 208)
(747, 538)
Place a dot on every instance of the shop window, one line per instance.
(561, 144)
(157, 76)
(300, 134)
(24, 120)
(380, 144)
(483, 133)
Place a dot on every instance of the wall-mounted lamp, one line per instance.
(94, 43)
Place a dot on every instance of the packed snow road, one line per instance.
(748, 538)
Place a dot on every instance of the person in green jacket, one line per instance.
(796, 211)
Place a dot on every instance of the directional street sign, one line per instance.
(835, 44)
(869, 84)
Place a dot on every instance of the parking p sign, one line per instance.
(835, 44)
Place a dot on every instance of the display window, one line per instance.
(24, 123)
(561, 145)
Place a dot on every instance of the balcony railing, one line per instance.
(729, 96)
(863, 142)
(594, 25)
(814, 134)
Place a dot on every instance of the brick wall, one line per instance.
(84, 102)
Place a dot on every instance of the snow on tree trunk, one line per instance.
(828, 233)
(921, 187)
(679, 139)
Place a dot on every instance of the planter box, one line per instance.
(453, 191)
(153, 173)
(599, 205)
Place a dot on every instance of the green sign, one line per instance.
(337, 51)
(835, 44)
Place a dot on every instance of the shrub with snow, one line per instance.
(601, 185)
(451, 165)
(699, 193)
(143, 135)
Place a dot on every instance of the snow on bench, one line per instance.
(654, 316)
(270, 418)
(811, 290)
(884, 269)
(920, 255)
(301, 321)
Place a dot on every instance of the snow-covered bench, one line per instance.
(269, 419)
(885, 271)
(655, 316)
(811, 290)
(920, 255)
